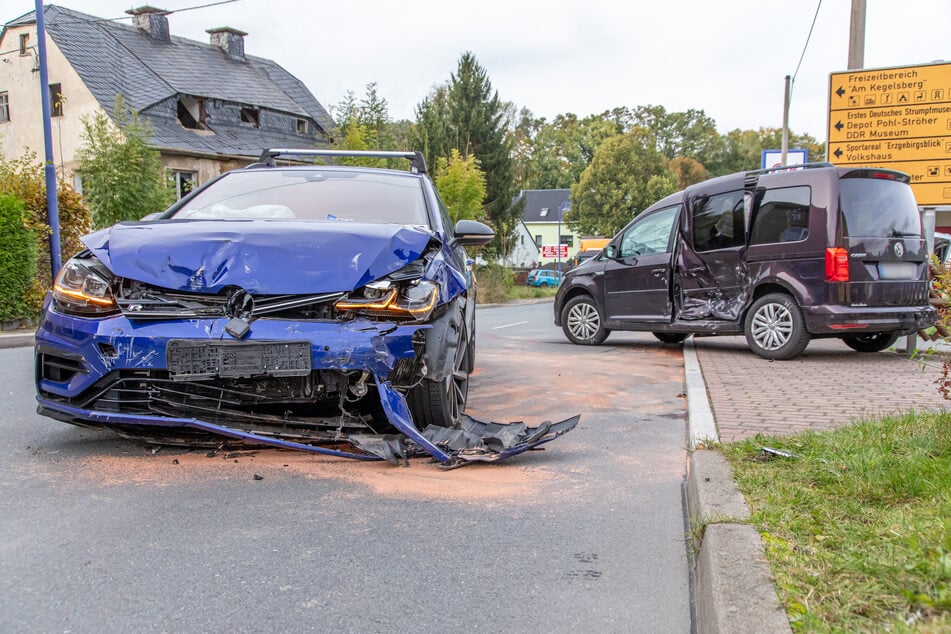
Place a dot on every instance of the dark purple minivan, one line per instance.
(782, 256)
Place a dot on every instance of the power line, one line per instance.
(808, 37)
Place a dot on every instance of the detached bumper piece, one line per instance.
(467, 442)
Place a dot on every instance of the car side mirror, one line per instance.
(470, 233)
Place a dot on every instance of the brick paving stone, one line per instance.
(829, 386)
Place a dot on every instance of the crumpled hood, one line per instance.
(260, 256)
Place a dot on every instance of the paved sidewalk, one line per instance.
(829, 386)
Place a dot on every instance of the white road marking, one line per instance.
(518, 323)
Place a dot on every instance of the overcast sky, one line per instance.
(727, 58)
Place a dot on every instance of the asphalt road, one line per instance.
(102, 534)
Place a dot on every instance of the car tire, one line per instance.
(582, 322)
(670, 337)
(872, 342)
(775, 328)
(441, 403)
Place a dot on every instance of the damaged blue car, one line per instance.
(323, 308)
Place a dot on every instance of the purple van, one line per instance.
(781, 256)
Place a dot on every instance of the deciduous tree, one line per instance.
(123, 178)
(626, 175)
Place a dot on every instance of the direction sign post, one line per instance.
(897, 118)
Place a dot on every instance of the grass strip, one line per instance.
(857, 526)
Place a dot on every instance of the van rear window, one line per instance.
(878, 208)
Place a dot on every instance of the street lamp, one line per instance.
(563, 207)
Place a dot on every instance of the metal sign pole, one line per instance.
(49, 167)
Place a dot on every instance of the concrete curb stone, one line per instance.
(733, 584)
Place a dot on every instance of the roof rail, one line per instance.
(417, 162)
(780, 168)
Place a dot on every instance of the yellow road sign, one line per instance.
(898, 118)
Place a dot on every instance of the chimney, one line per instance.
(231, 41)
(152, 21)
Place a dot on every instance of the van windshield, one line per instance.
(878, 208)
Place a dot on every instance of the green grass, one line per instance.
(857, 529)
(530, 292)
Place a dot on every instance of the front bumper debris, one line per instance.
(151, 380)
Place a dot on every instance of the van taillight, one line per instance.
(837, 265)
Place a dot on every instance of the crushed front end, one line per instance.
(313, 372)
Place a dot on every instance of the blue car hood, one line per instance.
(266, 257)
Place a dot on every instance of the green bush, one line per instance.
(23, 177)
(496, 283)
(17, 259)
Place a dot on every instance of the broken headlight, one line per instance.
(414, 299)
(83, 287)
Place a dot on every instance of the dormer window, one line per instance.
(251, 116)
(191, 113)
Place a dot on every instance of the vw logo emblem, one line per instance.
(899, 249)
(240, 304)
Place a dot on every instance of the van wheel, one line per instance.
(581, 321)
(775, 328)
(670, 337)
(874, 342)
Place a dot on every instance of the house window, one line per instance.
(4, 107)
(568, 239)
(538, 240)
(24, 44)
(250, 115)
(191, 113)
(56, 100)
(184, 182)
(543, 212)
(302, 126)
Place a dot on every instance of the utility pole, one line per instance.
(857, 35)
(785, 149)
(49, 166)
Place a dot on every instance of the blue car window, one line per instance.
(335, 195)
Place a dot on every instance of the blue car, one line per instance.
(301, 306)
(543, 277)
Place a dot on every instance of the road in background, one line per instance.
(100, 533)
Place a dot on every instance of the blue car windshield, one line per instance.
(300, 194)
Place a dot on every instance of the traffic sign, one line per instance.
(898, 118)
(552, 250)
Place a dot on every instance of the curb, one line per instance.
(16, 340)
(734, 588)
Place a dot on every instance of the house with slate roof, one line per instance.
(211, 107)
(541, 215)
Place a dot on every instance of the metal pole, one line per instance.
(785, 150)
(857, 35)
(49, 167)
(558, 274)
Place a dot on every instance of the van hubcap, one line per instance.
(772, 326)
(583, 321)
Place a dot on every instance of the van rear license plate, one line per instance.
(897, 270)
(192, 360)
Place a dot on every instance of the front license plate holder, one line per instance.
(190, 360)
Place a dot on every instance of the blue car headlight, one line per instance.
(414, 300)
(84, 287)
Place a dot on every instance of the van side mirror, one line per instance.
(610, 252)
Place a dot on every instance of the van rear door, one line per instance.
(882, 242)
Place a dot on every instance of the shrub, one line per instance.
(495, 283)
(17, 259)
(23, 177)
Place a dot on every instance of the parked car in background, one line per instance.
(296, 306)
(781, 256)
(544, 277)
